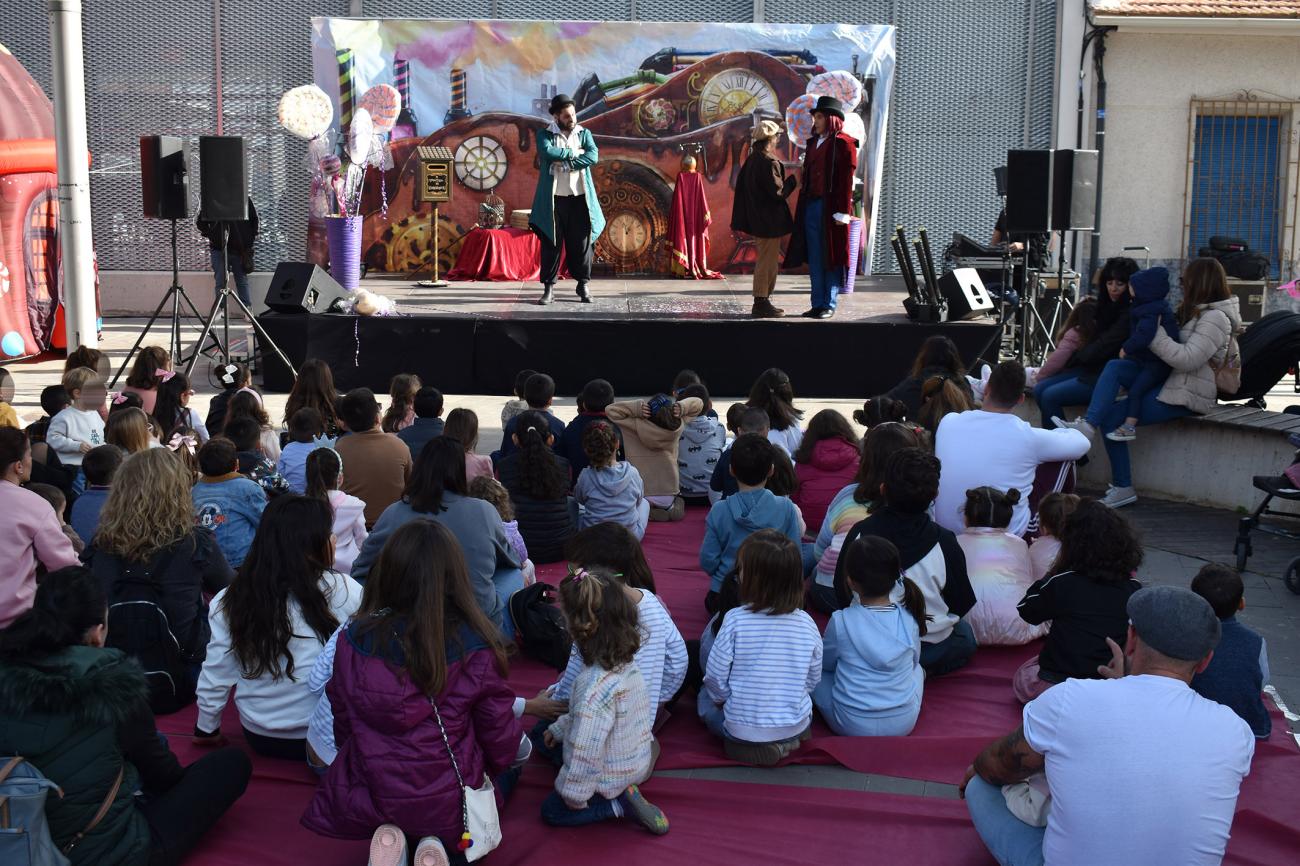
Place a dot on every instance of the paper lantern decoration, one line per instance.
(798, 118)
(839, 84)
(306, 111)
(384, 103)
(855, 128)
(360, 135)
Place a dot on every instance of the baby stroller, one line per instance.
(1269, 349)
(1284, 486)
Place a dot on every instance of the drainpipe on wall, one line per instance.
(1099, 137)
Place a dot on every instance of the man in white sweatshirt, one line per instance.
(992, 447)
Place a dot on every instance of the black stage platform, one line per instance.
(471, 338)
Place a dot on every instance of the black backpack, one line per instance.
(540, 626)
(138, 626)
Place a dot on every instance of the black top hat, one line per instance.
(828, 105)
(560, 101)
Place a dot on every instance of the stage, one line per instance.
(472, 337)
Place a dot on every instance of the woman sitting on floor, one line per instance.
(268, 627)
(80, 714)
(938, 356)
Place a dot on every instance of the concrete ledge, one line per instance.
(137, 293)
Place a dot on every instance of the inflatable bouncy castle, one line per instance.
(31, 284)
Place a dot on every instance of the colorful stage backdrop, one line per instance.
(650, 92)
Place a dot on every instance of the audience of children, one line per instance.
(773, 393)
(539, 392)
(226, 503)
(100, 465)
(703, 441)
(314, 388)
(401, 403)
(538, 481)
(766, 658)
(609, 490)
(248, 404)
(129, 429)
(651, 432)
(54, 496)
(283, 604)
(872, 677)
(930, 555)
(306, 432)
(324, 473)
(1052, 511)
(78, 712)
(999, 569)
(853, 504)
(606, 734)
(519, 403)
(754, 507)
(151, 364)
(490, 490)
(420, 704)
(378, 463)
(462, 425)
(245, 433)
(1085, 597)
(826, 460)
(1237, 672)
(594, 398)
(426, 421)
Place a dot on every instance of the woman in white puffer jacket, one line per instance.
(1208, 317)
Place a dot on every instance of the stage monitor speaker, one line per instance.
(964, 292)
(223, 170)
(1074, 190)
(302, 287)
(1029, 191)
(164, 177)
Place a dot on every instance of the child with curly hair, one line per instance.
(609, 491)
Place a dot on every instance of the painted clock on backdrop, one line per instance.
(480, 162)
(735, 92)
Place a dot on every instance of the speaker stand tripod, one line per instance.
(176, 294)
(221, 303)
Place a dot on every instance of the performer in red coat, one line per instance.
(821, 221)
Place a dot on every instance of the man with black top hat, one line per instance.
(566, 213)
(1139, 768)
(821, 221)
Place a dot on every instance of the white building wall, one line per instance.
(1151, 79)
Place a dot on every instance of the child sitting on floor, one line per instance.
(999, 568)
(59, 503)
(703, 441)
(1052, 511)
(462, 425)
(100, 465)
(1238, 670)
(608, 747)
(518, 404)
(172, 410)
(401, 403)
(324, 473)
(609, 491)
(79, 427)
(254, 464)
(826, 460)
(651, 430)
(766, 658)
(488, 489)
(773, 393)
(755, 507)
(594, 399)
(539, 392)
(225, 502)
(871, 655)
(306, 427)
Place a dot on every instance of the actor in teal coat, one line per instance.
(566, 212)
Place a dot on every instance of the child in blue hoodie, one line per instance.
(225, 501)
(609, 490)
(871, 655)
(755, 507)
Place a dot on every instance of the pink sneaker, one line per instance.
(388, 846)
(430, 852)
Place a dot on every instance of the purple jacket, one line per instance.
(392, 766)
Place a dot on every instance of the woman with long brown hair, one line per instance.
(148, 549)
(314, 388)
(420, 703)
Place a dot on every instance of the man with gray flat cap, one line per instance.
(1141, 770)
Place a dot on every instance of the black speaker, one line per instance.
(164, 177)
(964, 292)
(1074, 190)
(223, 170)
(302, 287)
(1029, 191)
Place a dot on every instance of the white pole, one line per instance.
(71, 146)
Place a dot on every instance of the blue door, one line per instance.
(1236, 183)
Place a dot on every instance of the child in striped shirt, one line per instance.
(606, 733)
(766, 659)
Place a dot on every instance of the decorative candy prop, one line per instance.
(839, 84)
(347, 89)
(384, 103)
(854, 127)
(798, 118)
(360, 136)
(306, 111)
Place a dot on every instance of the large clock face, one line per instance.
(628, 232)
(735, 92)
(480, 162)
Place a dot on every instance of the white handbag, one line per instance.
(482, 833)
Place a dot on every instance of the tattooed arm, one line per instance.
(1006, 760)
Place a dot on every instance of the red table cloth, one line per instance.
(507, 254)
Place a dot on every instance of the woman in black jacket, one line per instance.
(1073, 385)
(538, 482)
(760, 209)
(80, 714)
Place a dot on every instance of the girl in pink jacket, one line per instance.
(999, 567)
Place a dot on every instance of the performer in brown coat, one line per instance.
(760, 209)
(821, 221)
